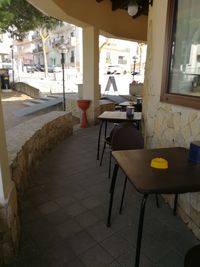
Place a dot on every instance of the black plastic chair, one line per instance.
(126, 137)
(192, 258)
(107, 141)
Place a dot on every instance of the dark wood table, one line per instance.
(115, 117)
(137, 106)
(182, 176)
(127, 103)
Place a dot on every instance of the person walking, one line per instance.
(6, 83)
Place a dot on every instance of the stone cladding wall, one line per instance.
(27, 89)
(168, 125)
(28, 141)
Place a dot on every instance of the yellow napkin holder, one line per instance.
(159, 163)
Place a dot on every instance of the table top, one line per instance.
(119, 116)
(127, 103)
(182, 176)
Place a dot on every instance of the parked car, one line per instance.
(51, 68)
(29, 68)
(39, 67)
(115, 69)
(54, 68)
(57, 69)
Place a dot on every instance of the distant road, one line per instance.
(53, 84)
(12, 101)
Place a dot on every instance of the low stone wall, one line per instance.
(27, 89)
(28, 141)
(106, 105)
(26, 144)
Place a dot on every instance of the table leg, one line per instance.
(157, 201)
(175, 204)
(140, 229)
(99, 139)
(138, 125)
(112, 189)
(123, 193)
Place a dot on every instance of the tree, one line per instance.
(44, 29)
(18, 17)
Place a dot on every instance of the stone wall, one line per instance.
(28, 141)
(168, 125)
(71, 100)
(26, 144)
(106, 105)
(71, 106)
(27, 89)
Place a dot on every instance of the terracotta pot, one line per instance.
(83, 104)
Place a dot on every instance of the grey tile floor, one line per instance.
(63, 215)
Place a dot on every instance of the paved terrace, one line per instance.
(64, 210)
(63, 215)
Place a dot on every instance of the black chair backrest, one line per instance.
(127, 137)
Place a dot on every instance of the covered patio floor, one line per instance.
(63, 215)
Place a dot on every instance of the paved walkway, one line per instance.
(63, 214)
(11, 102)
(13, 106)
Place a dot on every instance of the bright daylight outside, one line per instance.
(41, 65)
(24, 61)
(54, 63)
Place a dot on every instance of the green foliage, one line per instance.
(18, 17)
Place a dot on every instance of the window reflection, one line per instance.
(184, 69)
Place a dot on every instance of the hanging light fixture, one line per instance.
(138, 7)
(135, 8)
(132, 8)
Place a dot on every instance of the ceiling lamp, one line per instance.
(132, 8)
(138, 7)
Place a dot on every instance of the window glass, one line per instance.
(184, 67)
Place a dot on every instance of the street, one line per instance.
(54, 82)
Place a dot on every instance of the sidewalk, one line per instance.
(12, 101)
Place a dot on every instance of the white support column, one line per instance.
(8, 201)
(91, 88)
(5, 180)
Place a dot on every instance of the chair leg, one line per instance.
(175, 204)
(157, 201)
(123, 193)
(112, 189)
(109, 170)
(104, 146)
